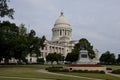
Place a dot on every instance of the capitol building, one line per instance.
(61, 41)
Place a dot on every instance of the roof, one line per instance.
(62, 21)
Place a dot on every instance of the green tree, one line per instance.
(83, 44)
(71, 57)
(5, 10)
(8, 34)
(118, 59)
(107, 58)
(40, 60)
(35, 43)
(54, 57)
(21, 45)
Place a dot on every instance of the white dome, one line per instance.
(61, 20)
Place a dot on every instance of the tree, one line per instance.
(54, 57)
(83, 44)
(21, 44)
(107, 58)
(118, 59)
(5, 10)
(16, 43)
(8, 34)
(35, 43)
(71, 57)
(40, 60)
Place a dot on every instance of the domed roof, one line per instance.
(62, 20)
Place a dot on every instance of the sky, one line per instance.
(96, 20)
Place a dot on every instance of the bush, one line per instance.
(116, 71)
(40, 60)
(87, 71)
(64, 70)
(57, 69)
(108, 68)
(52, 69)
(61, 69)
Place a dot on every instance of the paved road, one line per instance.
(44, 71)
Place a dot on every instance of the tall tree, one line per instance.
(118, 59)
(5, 10)
(107, 58)
(35, 43)
(21, 47)
(54, 57)
(8, 34)
(83, 44)
(71, 57)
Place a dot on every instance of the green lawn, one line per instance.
(30, 71)
(95, 75)
(12, 79)
(113, 66)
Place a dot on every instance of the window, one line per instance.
(60, 32)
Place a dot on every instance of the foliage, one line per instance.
(108, 68)
(16, 43)
(83, 44)
(71, 57)
(54, 57)
(5, 10)
(40, 60)
(118, 59)
(107, 58)
(88, 71)
(57, 69)
(116, 71)
(61, 69)
(35, 43)
(8, 35)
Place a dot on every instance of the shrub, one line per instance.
(64, 70)
(52, 69)
(61, 69)
(40, 60)
(87, 71)
(116, 71)
(108, 68)
(57, 69)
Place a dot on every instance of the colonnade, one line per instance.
(57, 33)
(52, 49)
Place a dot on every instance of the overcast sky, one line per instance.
(96, 20)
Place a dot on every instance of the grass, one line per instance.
(114, 67)
(95, 75)
(30, 71)
(12, 79)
